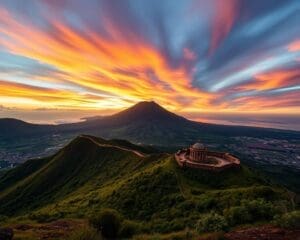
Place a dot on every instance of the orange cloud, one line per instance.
(286, 103)
(90, 60)
(271, 80)
(42, 96)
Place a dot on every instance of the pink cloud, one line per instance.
(226, 12)
(294, 46)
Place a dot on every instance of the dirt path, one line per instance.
(109, 145)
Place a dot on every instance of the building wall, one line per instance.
(198, 155)
(233, 162)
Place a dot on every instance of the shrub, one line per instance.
(187, 205)
(3, 218)
(237, 215)
(196, 191)
(250, 211)
(259, 209)
(93, 201)
(177, 225)
(42, 217)
(263, 192)
(211, 222)
(85, 234)
(108, 222)
(128, 229)
(205, 204)
(289, 220)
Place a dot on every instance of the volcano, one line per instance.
(146, 123)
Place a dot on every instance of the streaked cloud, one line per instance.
(226, 12)
(190, 56)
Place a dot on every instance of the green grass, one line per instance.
(154, 192)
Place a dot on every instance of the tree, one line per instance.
(108, 222)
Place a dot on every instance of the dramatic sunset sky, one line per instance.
(77, 58)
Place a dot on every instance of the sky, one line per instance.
(71, 58)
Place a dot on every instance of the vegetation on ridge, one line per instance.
(151, 193)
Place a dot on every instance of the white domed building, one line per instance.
(198, 152)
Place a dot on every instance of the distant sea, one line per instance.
(288, 122)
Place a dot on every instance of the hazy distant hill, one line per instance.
(10, 128)
(146, 187)
(145, 122)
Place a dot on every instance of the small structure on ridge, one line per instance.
(198, 156)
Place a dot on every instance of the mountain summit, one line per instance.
(147, 111)
(144, 122)
(146, 107)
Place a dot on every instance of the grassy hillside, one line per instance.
(151, 190)
(46, 180)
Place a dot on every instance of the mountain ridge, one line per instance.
(79, 149)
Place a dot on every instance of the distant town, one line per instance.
(269, 151)
(12, 154)
(257, 150)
